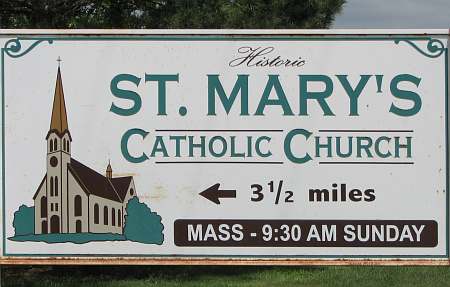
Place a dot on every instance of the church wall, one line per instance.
(37, 210)
(54, 201)
(57, 203)
(100, 227)
(65, 158)
(129, 196)
(74, 190)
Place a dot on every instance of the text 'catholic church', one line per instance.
(72, 198)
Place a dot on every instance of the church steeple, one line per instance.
(59, 146)
(58, 123)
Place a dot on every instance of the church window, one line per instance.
(56, 207)
(44, 227)
(113, 217)
(96, 221)
(78, 226)
(43, 207)
(105, 215)
(119, 218)
(51, 206)
(56, 186)
(53, 161)
(55, 144)
(78, 207)
(51, 186)
(64, 144)
(131, 192)
(51, 145)
(68, 150)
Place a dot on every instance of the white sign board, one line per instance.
(225, 145)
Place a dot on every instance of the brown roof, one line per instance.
(58, 122)
(95, 183)
(121, 185)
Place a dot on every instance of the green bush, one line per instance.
(23, 222)
(141, 224)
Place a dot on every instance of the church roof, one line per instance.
(121, 184)
(95, 183)
(58, 121)
(39, 187)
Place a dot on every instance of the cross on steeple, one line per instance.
(59, 61)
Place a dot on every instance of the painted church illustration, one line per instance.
(73, 198)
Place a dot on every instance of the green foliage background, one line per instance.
(168, 14)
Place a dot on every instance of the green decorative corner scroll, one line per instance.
(14, 48)
(434, 47)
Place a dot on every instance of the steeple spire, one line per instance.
(109, 170)
(58, 122)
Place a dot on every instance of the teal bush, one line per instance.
(23, 222)
(141, 224)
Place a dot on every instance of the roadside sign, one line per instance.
(230, 147)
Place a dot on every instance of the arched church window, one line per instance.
(77, 205)
(96, 221)
(55, 144)
(119, 218)
(105, 215)
(51, 186)
(43, 207)
(56, 186)
(64, 144)
(131, 192)
(113, 217)
(68, 149)
(51, 145)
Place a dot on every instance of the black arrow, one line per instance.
(213, 193)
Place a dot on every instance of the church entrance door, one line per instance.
(54, 224)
